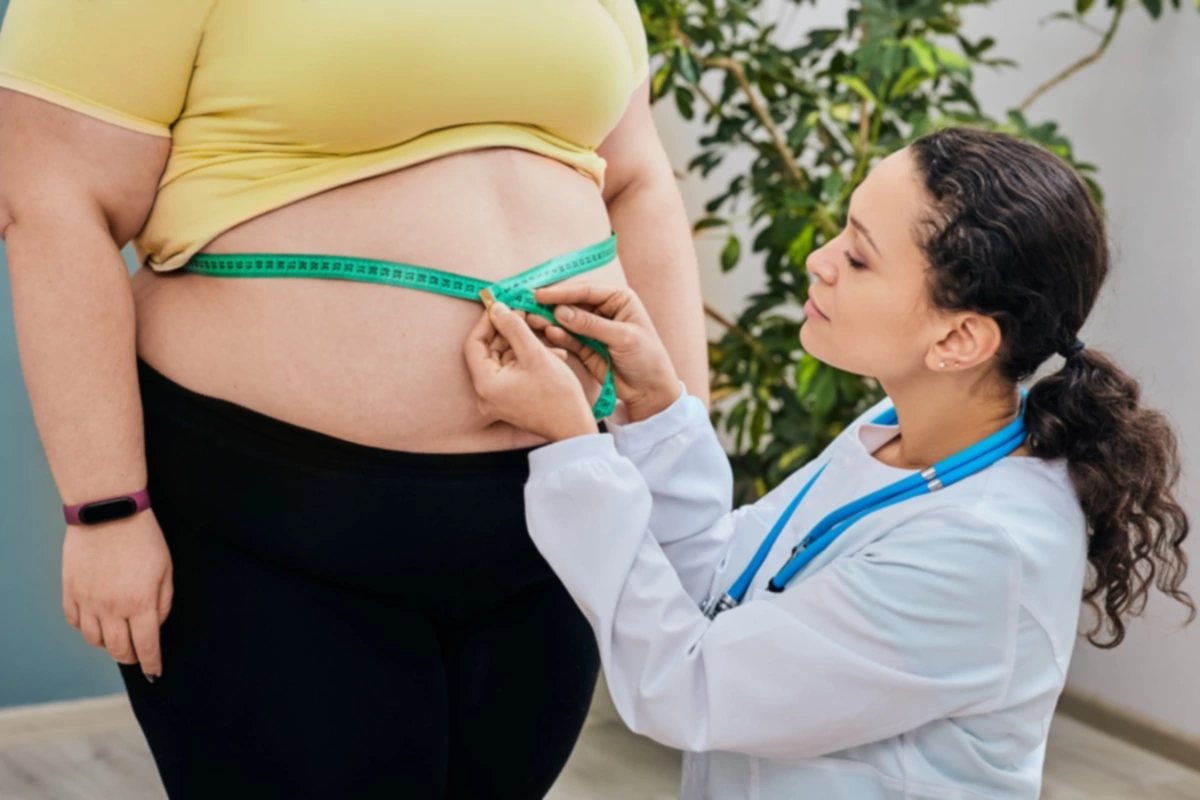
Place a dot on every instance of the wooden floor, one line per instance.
(99, 754)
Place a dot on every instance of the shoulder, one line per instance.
(1028, 501)
(1015, 529)
(1021, 512)
(126, 62)
(1035, 503)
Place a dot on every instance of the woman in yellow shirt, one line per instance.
(333, 533)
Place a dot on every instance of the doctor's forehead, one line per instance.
(890, 204)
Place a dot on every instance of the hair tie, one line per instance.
(1072, 351)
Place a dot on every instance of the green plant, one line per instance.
(814, 116)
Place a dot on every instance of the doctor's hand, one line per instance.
(520, 380)
(645, 379)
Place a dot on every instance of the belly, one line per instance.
(373, 364)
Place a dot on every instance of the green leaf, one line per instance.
(731, 254)
(704, 162)
(908, 81)
(687, 65)
(759, 305)
(792, 456)
(923, 53)
(737, 417)
(831, 187)
(659, 83)
(685, 102)
(980, 47)
(1155, 7)
(802, 246)
(758, 425)
(797, 202)
(842, 112)
(709, 222)
(805, 374)
(952, 60)
(818, 39)
(856, 85)
(1083, 6)
(824, 393)
(893, 59)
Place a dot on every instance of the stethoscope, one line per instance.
(964, 464)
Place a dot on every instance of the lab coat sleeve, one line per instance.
(916, 627)
(690, 482)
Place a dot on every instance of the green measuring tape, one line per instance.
(515, 292)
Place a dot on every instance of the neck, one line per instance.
(940, 417)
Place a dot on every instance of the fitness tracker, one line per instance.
(114, 508)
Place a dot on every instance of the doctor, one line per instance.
(896, 619)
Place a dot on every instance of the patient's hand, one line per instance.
(520, 380)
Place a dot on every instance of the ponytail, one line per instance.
(1124, 463)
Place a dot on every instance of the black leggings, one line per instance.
(349, 621)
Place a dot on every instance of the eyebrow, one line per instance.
(858, 226)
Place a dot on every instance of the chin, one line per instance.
(822, 350)
(812, 342)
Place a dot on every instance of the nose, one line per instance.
(821, 264)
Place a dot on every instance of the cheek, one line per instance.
(874, 308)
(877, 332)
(895, 336)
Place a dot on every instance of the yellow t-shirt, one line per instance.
(270, 101)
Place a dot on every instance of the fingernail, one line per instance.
(566, 312)
(150, 678)
(499, 308)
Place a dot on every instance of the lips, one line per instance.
(812, 310)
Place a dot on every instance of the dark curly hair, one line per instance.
(1016, 236)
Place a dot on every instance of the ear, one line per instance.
(968, 340)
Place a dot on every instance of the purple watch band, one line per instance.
(114, 508)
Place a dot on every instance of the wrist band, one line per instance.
(113, 508)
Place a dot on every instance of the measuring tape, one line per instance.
(515, 292)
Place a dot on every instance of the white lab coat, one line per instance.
(919, 656)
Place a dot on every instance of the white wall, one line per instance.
(1136, 114)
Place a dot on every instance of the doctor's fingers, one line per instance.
(595, 364)
(607, 300)
(618, 335)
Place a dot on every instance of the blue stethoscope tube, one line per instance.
(964, 464)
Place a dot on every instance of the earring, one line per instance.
(941, 365)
